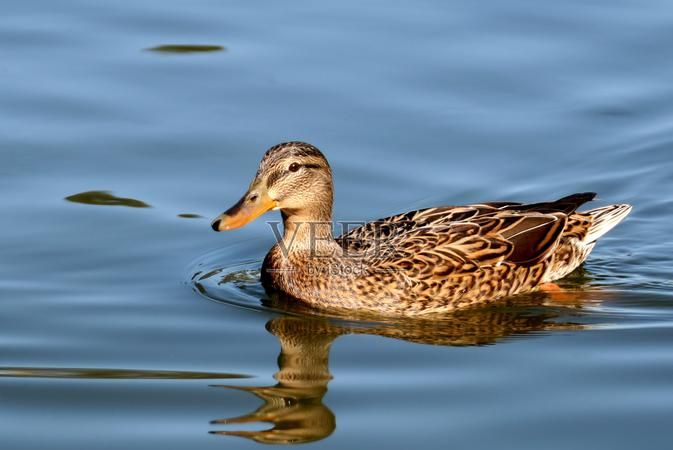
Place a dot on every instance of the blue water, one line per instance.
(112, 335)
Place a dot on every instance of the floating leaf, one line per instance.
(189, 48)
(190, 216)
(105, 198)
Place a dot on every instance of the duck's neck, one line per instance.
(308, 232)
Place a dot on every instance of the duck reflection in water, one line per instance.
(294, 406)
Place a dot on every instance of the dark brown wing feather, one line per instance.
(535, 237)
(566, 205)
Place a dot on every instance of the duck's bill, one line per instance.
(243, 213)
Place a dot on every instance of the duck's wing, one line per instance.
(449, 239)
(364, 237)
(438, 250)
(567, 205)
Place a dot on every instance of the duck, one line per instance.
(428, 261)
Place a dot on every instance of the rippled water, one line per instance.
(125, 322)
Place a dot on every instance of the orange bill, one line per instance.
(249, 207)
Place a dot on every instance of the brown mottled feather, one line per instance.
(421, 262)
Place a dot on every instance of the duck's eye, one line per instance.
(294, 167)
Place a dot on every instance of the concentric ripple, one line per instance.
(231, 277)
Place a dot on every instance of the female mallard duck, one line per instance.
(426, 261)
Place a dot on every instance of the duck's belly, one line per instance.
(398, 293)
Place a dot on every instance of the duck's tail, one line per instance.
(604, 219)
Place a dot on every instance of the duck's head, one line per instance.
(293, 177)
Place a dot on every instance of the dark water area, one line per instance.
(125, 322)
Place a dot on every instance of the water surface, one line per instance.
(125, 322)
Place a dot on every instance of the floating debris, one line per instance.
(190, 216)
(189, 48)
(105, 198)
